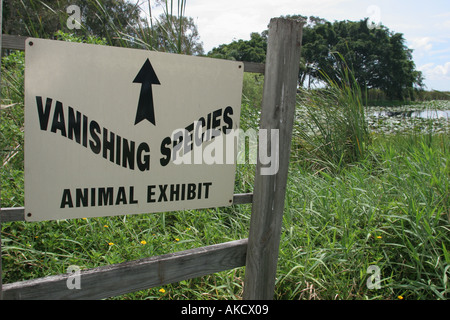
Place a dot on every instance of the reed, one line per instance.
(331, 128)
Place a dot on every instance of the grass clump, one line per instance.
(331, 129)
(391, 210)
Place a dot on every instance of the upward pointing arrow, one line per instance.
(147, 77)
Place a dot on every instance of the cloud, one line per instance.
(445, 24)
(430, 49)
(221, 22)
(436, 72)
(442, 15)
(422, 43)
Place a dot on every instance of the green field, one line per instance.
(390, 210)
(377, 196)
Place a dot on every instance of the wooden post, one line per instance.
(1, 274)
(278, 110)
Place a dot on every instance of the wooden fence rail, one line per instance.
(13, 42)
(112, 280)
(18, 43)
(18, 213)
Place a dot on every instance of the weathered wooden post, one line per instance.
(1, 279)
(278, 110)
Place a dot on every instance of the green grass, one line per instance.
(330, 130)
(390, 210)
(32, 250)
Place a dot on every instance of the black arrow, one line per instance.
(147, 77)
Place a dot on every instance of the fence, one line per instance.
(258, 253)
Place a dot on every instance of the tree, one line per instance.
(109, 19)
(101, 18)
(117, 21)
(28, 18)
(253, 50)
(378, 58)
(177, 35)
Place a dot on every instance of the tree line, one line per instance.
(377, 56)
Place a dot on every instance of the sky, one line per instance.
(424, 24)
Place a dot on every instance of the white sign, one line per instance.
(112, 131)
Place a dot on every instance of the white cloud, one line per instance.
(437, 77)
(221, 22)
(423, 43)
(445, 24)
(442, 15)
(436, 72)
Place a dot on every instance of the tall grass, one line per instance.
(162, 33)
(391, 210)
(165, 32)
(331, 128)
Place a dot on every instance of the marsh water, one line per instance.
(431, 116)
(424, 114)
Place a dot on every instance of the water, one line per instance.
(424, 114)
(390, 121)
